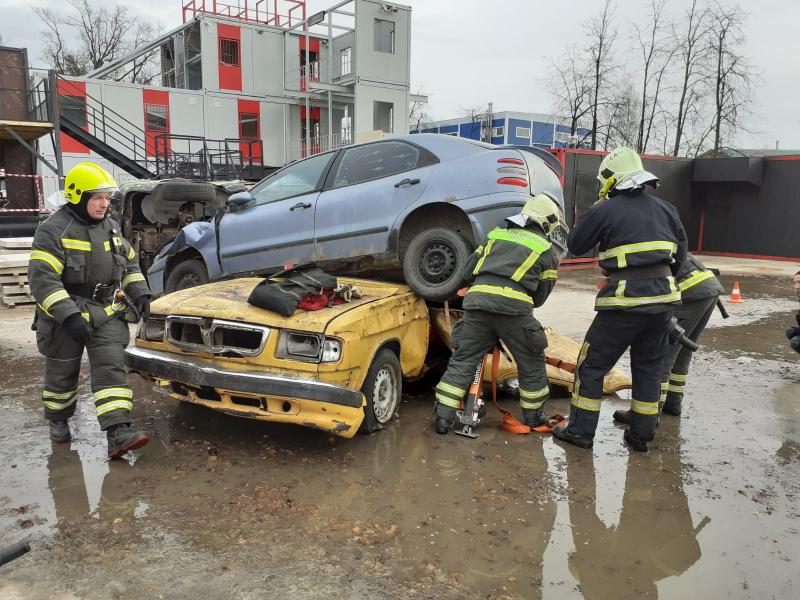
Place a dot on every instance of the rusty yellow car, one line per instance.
(339, 369)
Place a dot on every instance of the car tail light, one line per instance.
(511, 161)
(518, 181)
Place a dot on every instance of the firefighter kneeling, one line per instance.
(512, 273)
(78, 264)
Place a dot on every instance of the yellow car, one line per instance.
(339, 369)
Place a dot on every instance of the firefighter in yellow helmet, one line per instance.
(78, 263)
(513, 272)
(642, 247)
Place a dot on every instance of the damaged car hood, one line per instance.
(228, 300)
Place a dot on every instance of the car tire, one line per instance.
(186, 274)
(434, 262)
(383, 387)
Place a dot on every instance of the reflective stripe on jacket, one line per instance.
(696, 282)
(513, 272)
(634, 231)
(70, 257)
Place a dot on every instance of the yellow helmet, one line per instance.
(543, 210)
(87, 177)
(623, 164)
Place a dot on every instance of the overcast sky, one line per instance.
(469, 52)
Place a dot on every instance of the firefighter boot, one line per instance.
(580, 428)
(59, 432)
(533, 417)
(673, 404)
(121, 439)
(445, 418)
(622, 416)
(634, 442)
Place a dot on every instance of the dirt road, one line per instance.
(220, 507)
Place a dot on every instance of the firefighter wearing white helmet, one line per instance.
(513, 272)
(642, 247)
(78, 263)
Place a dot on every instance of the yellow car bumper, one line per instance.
(253, 394)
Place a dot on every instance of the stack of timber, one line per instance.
(14, 254)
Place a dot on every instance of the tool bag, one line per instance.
(283, 291)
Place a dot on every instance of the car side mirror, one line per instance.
(238, 201)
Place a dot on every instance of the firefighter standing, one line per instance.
(700, 290)
(78, 261)
(513, 272)
(642, 246)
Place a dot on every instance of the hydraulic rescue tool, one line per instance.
(470, 415)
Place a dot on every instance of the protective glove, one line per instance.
(142, 304)
(78, 329)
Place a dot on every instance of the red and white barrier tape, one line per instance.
(26, 210)
(29, 176)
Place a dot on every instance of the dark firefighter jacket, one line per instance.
(696, 282)
(513, 272)
(70, 257)
(642, 248)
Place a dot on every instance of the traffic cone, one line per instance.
(736, 294)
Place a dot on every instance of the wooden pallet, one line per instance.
(11, 278)
(14, 288)
(20, 300)
(15, 245)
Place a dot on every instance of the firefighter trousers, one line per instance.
(610, 334)
(110, 392)
(475, 335)
(693, 317)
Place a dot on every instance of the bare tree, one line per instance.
(479, 117)
(418, 116)
(733, 78)
(656, 52)
(570, 87)
(693, 51)
(619, 116)
(100, 35)
(602, 36)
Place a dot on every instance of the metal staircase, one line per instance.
(110, 135)
(147, 155)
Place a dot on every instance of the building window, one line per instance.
(155, 117)
(346, 56)
(523, 132)
(248, 126)
(498, 131)
(74, 109)
(384, 36)
(383, 117)
(229, 52)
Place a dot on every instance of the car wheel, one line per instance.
(186, 274)
(382, 389)
(434, 261)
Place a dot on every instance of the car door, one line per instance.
(277, 226)
(368, 187)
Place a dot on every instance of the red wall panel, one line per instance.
(251, 107)
(230, 76)
(155, 98)
(72, 88)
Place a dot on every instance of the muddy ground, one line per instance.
(221, 507)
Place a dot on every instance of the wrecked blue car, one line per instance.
(415, 205)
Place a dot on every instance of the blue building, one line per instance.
(516, 128)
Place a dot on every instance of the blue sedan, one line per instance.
(417, 203)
